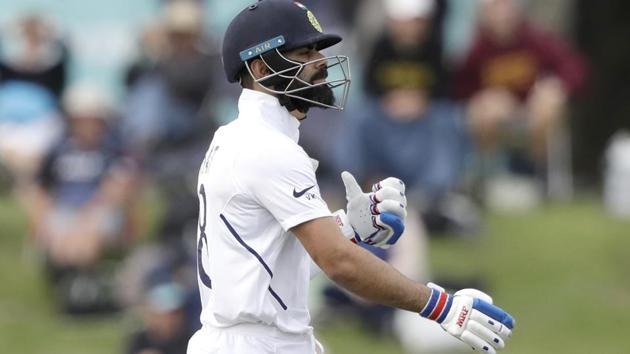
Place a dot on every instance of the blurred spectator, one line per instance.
(83, 202)
(406, 55)
(371, 19)
(168, 118)
(152, 46)
(156, 263)
(408, 130)
(517, 78)
(33, 52)
(164, 330)
(171, 81)
(33, 62)
(29, 123)
(86, 182)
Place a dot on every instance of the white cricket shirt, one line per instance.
(255, 184)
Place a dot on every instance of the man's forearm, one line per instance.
(356, 269)
(372, 279)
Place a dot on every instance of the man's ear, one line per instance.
(259, 69)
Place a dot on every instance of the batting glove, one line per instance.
(470, 316)
(376, 218)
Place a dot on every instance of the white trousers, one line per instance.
(251, 339)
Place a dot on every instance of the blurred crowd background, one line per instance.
(106, 110)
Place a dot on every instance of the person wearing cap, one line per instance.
(164, 330)
(85, 188)
(263, 222)
(170, 86)
(408, 52)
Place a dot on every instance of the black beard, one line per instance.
(322, 94)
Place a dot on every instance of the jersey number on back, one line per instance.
(203, 239)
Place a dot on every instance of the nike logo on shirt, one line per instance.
(301, 193)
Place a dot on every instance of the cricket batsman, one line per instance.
(263, 222)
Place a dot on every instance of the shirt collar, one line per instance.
(266, 108)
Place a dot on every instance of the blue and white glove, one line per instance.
(470, 316)
(376, 218)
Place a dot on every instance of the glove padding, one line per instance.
(377, 217)
(470, 316)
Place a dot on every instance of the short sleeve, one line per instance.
(282, 180)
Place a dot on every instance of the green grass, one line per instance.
(29, 322)
(563, 271)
